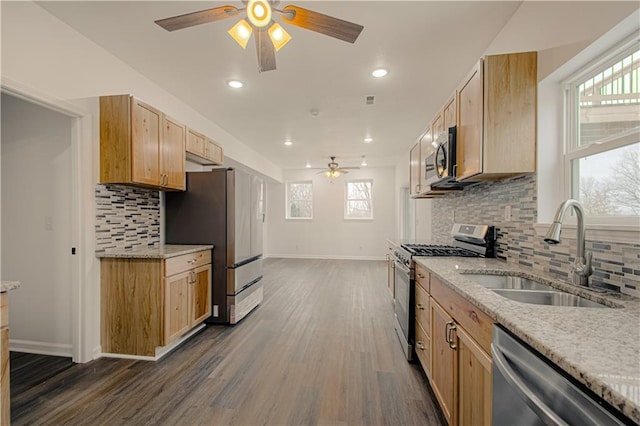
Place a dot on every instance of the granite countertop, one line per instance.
(600, 347)
(8, 285)
(160, 252)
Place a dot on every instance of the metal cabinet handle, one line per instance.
(420, 276)
(192, 261)
(420, 306)
(420, 345)
(448, 328)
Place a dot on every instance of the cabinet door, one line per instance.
(414, 170)
(172, 158)
(426, 149)
(470, 125)
(200, 294)
(443, 362)
(177, 295)
(450, 113)
(196, 143)
(214, 152)
(146, 129)
(474, 382)
(5, 400)
(437, 126)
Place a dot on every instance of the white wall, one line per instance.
(328, 234)
(36, 188)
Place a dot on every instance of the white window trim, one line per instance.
(620, 229)
(286, 200)
(346, 184)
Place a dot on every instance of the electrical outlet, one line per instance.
(215, 310)
(507, 213)
(48, 223)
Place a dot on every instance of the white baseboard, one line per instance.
(322, 257)
(41, 348)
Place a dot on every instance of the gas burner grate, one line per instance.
(438, 251)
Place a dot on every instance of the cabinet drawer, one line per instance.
(423, 348)
(475, 322)
(422, 278)
(175, 265)
(422, 309)
(4, 309)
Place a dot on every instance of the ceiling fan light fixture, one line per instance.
(259, 12)
(279, 37)
(241, 32)
(332, 173)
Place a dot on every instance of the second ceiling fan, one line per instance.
(270, 36)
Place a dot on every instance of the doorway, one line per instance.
(36, 153)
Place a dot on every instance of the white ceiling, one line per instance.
(428, 47)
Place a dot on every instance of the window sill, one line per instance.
(359, 218)
(298, 218)
(607, 233)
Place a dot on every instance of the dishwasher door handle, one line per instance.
(546, 414)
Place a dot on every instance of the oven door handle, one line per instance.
(546, 414)
(402, 267)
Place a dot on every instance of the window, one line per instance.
(299, 198)
(602, 151)
(358, 200)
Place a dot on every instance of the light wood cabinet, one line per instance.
(414, 170)
(139, 145)
(461, 364)
(496, 104)
(5, 389)
(423, 320)
(203, 150)
(437, 126)
(450, 113)
(149, 303)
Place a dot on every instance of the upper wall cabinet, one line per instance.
(203, 150)
(139, 145)
(496, 135)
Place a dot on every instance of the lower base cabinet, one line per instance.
(149, 303)
(5, 399)
(461, 366)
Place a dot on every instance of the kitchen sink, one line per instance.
(507, 282)
(552, 298)
(526, 290)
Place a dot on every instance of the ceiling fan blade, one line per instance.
(197, 18)
(323, 24)
(266, 52)
(349, 168)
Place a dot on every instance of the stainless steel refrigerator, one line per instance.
(223, 207)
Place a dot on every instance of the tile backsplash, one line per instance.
(126, 217)
(616, 265)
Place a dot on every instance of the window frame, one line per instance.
(347, 199)
(571, 149)
(287, 214)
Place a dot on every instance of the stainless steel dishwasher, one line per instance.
(528, 390)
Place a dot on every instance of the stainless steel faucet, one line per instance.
(582, 265)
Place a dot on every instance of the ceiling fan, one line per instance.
(334, 170)
(270, 36)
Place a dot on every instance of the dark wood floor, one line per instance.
(321, 349)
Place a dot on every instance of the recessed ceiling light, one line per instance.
(235, 84)
(364, 162)
(368, 139)
(379, 72)
(288, 143)
(308, 166)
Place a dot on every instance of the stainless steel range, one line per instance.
(468, 240)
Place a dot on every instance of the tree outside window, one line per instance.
(299, 199)
(358, 202)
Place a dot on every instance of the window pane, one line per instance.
(358, 209)
(609, 101)
(358, 200)
(608, 184)
(299, 200)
